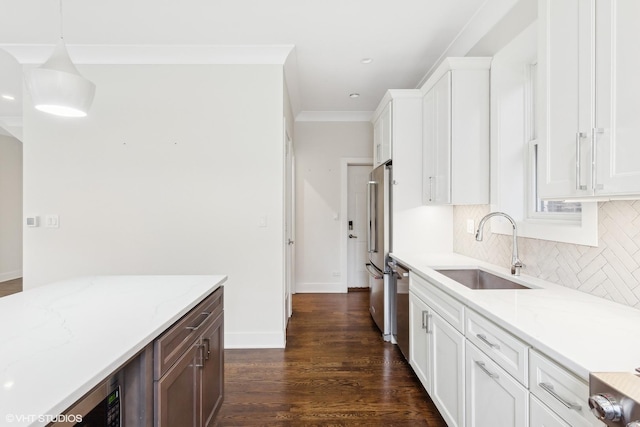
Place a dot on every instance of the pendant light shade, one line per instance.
(58, 88)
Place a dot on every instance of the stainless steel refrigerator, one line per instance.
(382, 300)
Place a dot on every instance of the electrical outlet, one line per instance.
(470, 226)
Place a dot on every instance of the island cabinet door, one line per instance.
(177, 402)
(211, 371)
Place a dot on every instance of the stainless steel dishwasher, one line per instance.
(401, 332)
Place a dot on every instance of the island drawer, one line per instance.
(178, 338)
(505, 349)
(560, 390)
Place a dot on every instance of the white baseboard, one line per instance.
(254, 340)
(10, 275)
(320, 288)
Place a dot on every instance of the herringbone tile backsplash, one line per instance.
(611, 270)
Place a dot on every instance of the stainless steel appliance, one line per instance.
(401, 332)
(615, 398)
(382, 300)
(102, 407)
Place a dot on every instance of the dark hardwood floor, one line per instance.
(335, 371)
(10, 287)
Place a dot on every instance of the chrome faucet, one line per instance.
(516, 264)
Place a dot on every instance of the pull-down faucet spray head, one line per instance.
(516, 264)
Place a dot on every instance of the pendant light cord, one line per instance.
(61, 26)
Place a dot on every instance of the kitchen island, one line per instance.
(59, 341)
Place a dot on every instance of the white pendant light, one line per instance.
(57, 87)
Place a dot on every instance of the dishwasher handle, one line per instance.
(399, 271)
(374, 271)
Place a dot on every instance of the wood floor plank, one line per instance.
(335, 371)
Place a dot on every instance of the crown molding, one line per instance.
(156, 54)
(334, 116)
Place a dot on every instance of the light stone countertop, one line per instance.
(60, 340)
(583, 332)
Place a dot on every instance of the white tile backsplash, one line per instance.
(611, 270)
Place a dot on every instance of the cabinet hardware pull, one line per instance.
(430, 188)
(195, 328)
(486, 371)
(549, 389)
(201, 351)
(594, 156)
(484, 339)
(207, 345)
(424, 319)
(579, 136)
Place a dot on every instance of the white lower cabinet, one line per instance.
(437, 357)
(493, 397)
(541, 416)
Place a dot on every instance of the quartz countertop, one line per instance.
(583, 332)
(60, 340)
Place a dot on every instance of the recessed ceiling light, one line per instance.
(9, 97)
(366, 60)
(354, 95)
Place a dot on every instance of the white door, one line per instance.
(419, 350)
(289, 225)
(357, 178)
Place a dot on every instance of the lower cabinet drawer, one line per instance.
(170, 346)
(562, 391)
(505, 349)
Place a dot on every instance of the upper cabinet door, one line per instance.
(382, 136)
(617, 97)
(456, 133)
(589, 98)
(565, 87)
(437, 142)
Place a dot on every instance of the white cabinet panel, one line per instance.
(456, 133)
(419, 343)
(541, 416)
(493, 397)
(382, 136)
(589, 98)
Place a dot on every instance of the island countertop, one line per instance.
(60, 340)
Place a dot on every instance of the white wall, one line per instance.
(320, 146)
(171, 173)
(10, 208)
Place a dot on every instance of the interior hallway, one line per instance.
(10, 287)
(336, 370)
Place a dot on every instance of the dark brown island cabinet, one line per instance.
(188, 375)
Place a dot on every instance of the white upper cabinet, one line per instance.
(383, 135)
(589, 98)
(456, 133)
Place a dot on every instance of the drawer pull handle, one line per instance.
(550, 389)
(484, 339)
(484, 369)
(195, 328)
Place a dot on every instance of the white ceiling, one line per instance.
(328, 39)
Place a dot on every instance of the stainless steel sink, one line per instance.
(480, 279)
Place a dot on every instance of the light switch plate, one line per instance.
(52, 221)
(470, 226)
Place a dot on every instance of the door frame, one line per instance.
(289, 204)
(345, 162)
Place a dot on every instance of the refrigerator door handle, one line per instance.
(375, 273)
(372, 236)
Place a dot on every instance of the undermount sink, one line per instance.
(479, 279)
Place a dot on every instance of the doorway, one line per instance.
(289, 225)
(355, 175)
